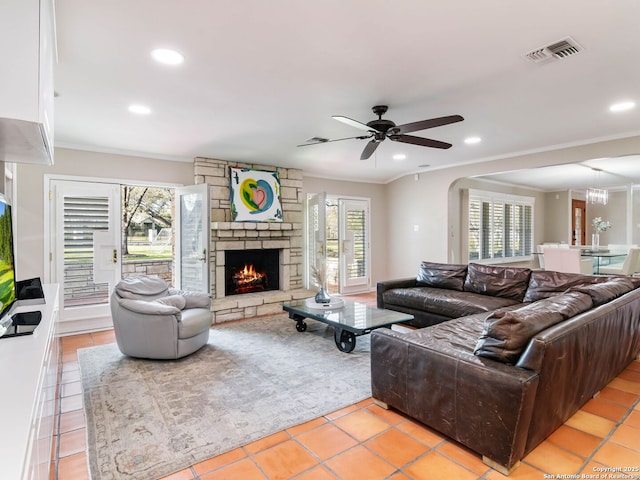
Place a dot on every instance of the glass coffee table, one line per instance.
(348, 321)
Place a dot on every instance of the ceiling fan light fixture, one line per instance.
(622, 106)
(167, 56)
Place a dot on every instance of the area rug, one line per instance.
(147, 419)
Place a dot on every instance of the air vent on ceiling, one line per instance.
(555, 51)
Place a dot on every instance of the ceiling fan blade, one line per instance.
(424, 142)
(424, 124)
(369, 149)
(319, 140)
(354, 123)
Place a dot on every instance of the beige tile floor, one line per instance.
(364, 441)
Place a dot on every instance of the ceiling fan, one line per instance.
(380, 129)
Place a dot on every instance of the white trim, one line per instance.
(492, 196)
(48, 205)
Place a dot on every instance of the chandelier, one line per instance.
(597, 196)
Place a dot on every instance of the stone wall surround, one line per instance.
(287, 236)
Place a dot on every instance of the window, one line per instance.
(500, 225)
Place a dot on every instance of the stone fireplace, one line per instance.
(249, 271)
(285, 237)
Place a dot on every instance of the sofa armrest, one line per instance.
(193, 299)
(389, 284)
(483, 404)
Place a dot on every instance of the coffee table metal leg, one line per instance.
(345, 341)
(301, 325)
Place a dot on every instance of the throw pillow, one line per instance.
(546, 283)
(505, 282)
(442, 275)
(506, 333)
(602, 293)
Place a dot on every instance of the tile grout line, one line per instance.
(607, 438)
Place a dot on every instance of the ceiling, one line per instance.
(611, 173)
(261, 77)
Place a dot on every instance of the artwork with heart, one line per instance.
(255, 195)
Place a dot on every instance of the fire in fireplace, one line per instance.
(249, 271)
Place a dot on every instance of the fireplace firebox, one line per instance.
(248, 271)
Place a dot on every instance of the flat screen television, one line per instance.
(24, 323)
(7, 269)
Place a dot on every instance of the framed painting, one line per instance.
(255, 195)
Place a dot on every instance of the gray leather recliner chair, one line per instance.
(156, 322)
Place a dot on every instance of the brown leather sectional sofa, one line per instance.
(507, 354)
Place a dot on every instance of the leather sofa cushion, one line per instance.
(602, 293)
(546, 283)
(442, 275)
(441, 301)
(507, 333)
(506, 282)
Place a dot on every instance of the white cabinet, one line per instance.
(28, 374)
(28, 52)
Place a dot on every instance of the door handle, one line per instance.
(204, 256)
(115, 255)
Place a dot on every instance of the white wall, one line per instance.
(426, 202)
(397, 207)
(30, 201)
(557, 218)
(615, 211)
(379, 215)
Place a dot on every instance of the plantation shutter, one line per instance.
(357, 228)
(498, 230)
(82, 217)
(475, 222)
(500, 226)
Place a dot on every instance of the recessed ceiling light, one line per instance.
(140, 109)
(399, 156)
(472, 140)
(167, 56)
(622, 106)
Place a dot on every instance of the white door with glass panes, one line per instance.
(192, 240)
(354, 245)
(85, 246)
(338, 239)
(316, 236)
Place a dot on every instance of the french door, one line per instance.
(85, 237)
(316, 234)
(192, 239)
(354, 245)
(338, 238)
(86, 260)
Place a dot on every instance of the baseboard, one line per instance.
(75, 327)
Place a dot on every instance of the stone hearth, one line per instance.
(227, 235)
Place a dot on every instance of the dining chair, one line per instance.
(567, 260)
(630, 265)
